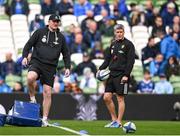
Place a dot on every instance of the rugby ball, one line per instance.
(129, 127)
(103, 74)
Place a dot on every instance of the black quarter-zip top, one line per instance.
(120, 58)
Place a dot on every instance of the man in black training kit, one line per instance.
(47, 44)
(120, 59)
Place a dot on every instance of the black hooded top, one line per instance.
(47, 47)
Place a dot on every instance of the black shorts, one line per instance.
(114, 85)
(46, 73)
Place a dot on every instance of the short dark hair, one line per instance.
(158, 16)
(146, 71)
(132, 4)
(118, 26)
(162, 75)
(150, 38)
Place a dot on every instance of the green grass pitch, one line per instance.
(96, 128)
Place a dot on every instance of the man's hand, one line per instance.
(124, 79)
(67, 73)
(25, 62)
(97, 73)
(150, 59)
(70, 10)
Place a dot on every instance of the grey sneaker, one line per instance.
(116, 125)
(45, 123)
(109, 124)
(113, 124)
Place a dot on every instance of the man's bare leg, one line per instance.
(46, 101)
(121, 108)
(110, 105)
(31, 82)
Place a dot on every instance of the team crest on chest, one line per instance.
(112, 49)
(43, 39)
(122, 46)
(120, 51)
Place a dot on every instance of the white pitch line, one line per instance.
(68, 129)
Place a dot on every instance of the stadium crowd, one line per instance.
(160, 57)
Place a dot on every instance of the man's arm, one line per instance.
(130, 60)
(66, 54)
(28, 47)
(76, 10)
(107, 59)
(33, 39)
(163, 46)
(145, 58)
(170, 88)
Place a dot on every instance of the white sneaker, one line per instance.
(109, 124)
(45, 123)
